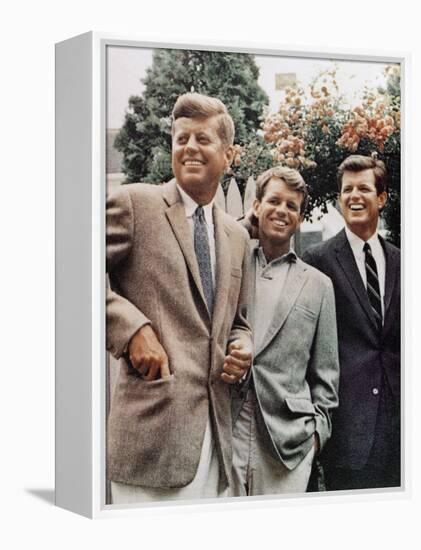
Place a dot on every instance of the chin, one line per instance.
(356, 222)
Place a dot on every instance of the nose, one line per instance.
(191, 144)
(281, 208)
(355, 192)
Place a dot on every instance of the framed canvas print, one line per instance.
(228, 274)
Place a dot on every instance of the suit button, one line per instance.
(375, 391)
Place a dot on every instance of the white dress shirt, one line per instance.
(377, 251)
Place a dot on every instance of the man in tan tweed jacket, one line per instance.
(169, 428)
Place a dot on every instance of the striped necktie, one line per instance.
(373, 287)
(201, 247)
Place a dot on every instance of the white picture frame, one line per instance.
(81, 383)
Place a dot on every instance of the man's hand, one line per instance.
(251, 224)
(237, 362)
(147, 355)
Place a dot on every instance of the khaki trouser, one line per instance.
(204, 485)
(255, 471)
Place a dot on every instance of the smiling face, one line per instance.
(360, 202)
(279, 217)
(199, 157)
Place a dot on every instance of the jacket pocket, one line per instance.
(143, 399)
(157, 382)
(305, 311)
(136, 379)
(300, 405)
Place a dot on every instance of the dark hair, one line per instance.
(358, 163)
(194, 105)
(291, 177)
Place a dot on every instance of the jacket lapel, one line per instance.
(223, 269)
(347, 262)
(176, 215)
(294, 282)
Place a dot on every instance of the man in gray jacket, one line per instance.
(283, 408)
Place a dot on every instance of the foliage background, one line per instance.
(145, 138)
(313, 130)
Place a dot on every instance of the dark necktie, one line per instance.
(201, 247)
(373, 287)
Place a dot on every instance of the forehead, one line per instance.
(364, 177)
(208, 125)
(277, 187)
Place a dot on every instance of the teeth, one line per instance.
(280, 223)
(193, 162)
(356, 207)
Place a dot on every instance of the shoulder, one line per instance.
(390, 249)
(142, 190)
(134, 189)
(233, 226)
(325, 247)
(135, 196)
(315, 276)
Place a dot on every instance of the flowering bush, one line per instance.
(315, 130)
(250, 159)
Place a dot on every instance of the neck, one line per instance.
(363, 233)
(201, 194)
(272, 251)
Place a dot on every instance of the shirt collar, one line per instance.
(190, 206)
(290, 257)
(357, 244)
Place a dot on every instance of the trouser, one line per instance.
(205, 484)
(255, 471)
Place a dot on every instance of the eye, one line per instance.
(292, 206)
(181, 139)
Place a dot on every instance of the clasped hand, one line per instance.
(237, 362)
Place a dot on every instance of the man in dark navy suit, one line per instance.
(364, 450)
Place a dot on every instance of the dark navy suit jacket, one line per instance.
(368, 360)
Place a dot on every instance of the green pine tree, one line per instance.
(145, 138)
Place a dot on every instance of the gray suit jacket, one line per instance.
(155, 429)
(295, 370)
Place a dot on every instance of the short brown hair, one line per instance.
(291, 177)
(194, 105)
(358, 163)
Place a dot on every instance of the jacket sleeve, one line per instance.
(323, 370)
(123, 319)
(240, 328)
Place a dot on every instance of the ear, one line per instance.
(381, 200)
(229, 156)
(256, 207)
